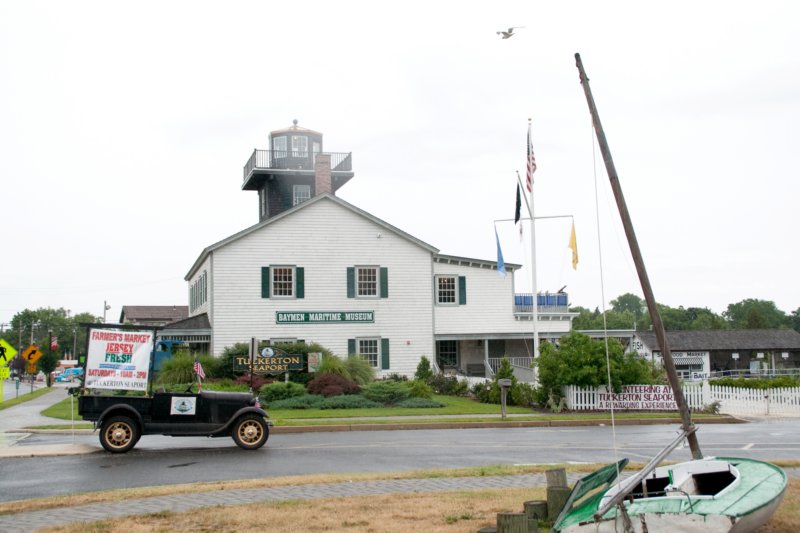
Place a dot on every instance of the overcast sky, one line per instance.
(124, 128)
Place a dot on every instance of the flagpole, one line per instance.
(531, 167)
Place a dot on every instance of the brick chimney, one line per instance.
(322, 174)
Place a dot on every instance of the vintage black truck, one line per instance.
(123, 419)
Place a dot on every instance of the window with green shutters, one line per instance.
(282, 282)
(374, 350)
(450, 290)
(367, 282)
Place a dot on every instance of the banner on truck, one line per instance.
(118, 359)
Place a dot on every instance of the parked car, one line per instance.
(70, 374)
(123, 419)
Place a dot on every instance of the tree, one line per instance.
(629, 302)
(794, 320)
(581, 361)
(755, 314)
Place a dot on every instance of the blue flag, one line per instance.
(501, 265)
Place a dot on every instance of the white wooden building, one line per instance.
(318, 269)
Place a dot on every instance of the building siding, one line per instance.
(489, 309)
(325, 239)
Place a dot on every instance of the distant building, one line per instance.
(700, 354)
(152, 315)
(318, 269)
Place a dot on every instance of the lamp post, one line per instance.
(106, 307)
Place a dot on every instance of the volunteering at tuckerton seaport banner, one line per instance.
(646, 397)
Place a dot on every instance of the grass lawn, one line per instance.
(462, 511)
(459, 409)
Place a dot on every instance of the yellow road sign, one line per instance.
(7, 352)
(31, 368)
(5, 372)
(32, 354)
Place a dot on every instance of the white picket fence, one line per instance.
(732, 400)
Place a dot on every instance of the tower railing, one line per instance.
(294, 160)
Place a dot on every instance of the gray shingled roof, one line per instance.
(168, 313)
(722, 339)
(195, 322)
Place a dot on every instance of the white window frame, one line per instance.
(368, 355)
(376, 282)
(273, 271)
(299, 146)
(440, 292)
(300, 194)
(279, 146)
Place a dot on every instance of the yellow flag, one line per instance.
(573, 245)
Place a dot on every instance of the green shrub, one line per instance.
(394, 376)
(349, 401)
(387, 392)
(449, 385)
(332, 385)
(333, 365)
(420, 389)
(226, 385)
(523, 394)
(757, 383)
(359, 370)
(307, 401)
(180, 369)
(420, 403)
(424, 371)
(280, 391)
(482, 391)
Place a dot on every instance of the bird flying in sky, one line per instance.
(510, 32)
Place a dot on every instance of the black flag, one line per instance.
(519, 206)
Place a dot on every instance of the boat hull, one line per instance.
(747, 502)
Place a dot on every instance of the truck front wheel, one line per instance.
(119, 434)
(250, 432)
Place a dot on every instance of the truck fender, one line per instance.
(120, 408)
(224, 430)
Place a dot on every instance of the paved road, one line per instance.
(167, 460)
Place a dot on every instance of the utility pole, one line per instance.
(106, 307)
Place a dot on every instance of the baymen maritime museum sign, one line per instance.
(323, 317)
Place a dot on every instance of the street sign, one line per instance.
(7, 352)
(31, 368)
(32, 354)
(5, 372)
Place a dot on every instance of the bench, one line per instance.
(476, 369)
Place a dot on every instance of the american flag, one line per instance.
(531, 161)
(198, 369)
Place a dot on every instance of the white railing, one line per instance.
(524, 362)
(732, 400)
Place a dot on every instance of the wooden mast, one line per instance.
(658, 325)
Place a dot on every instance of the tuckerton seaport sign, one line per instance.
(271, 361)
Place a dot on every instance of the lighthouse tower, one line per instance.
(293, 170)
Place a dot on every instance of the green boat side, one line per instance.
(760, 484)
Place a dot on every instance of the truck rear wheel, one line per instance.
(250, 432)
(119, 434)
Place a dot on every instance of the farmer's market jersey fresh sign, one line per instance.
(323, 317)
(118, 359)
(271, 361)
